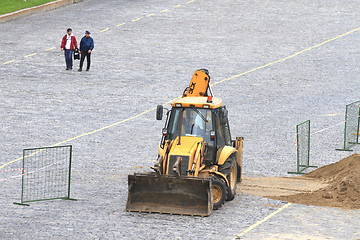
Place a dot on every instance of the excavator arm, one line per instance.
(199, 84)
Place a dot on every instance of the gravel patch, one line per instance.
(150, 61)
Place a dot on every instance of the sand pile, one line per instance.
(342, 189)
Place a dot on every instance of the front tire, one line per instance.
(219, 192)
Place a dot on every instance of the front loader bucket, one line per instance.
(169, 194)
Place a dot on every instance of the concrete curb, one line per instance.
(36, 9)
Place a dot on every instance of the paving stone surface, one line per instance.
(148, 59)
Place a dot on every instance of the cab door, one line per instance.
(222, 134)
(222, 129)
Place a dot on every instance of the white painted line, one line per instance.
(322, 130)
(332, 114)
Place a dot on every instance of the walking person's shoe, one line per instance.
(80, 70)
(87, 69)
(67, 69)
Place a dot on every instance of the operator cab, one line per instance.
(199, 117)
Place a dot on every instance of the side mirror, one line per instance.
(159, 112)
(223, 116)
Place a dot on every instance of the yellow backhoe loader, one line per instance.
(198, 164)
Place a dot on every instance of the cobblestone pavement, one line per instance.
(145, 53)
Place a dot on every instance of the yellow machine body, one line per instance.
(192, 174)
(198, 102)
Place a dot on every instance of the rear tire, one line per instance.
(229, 168)
(219, 192)
(232, 178)
(239, 174)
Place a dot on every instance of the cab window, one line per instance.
(190, 122)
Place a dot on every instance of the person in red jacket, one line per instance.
(68, 45)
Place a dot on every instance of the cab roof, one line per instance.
(198, 102)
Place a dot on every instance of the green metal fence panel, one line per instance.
(352, 126)
(302, 147)
(46, 174)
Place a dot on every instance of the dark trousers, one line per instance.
(68, 58)
(83, 55)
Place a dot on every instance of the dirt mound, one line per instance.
(338, 170)
(342, 189)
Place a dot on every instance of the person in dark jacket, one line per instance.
(68, 45)
(86, 47)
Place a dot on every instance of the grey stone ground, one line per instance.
(150, 61)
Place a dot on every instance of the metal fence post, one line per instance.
(352, 125)
(302, 147)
